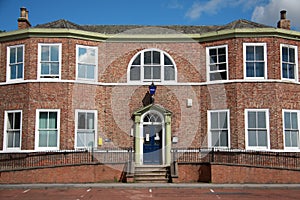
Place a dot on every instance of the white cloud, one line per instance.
(175, 4)
(270, 13)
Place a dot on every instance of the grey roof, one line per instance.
(116, 29)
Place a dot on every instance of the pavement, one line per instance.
(148, 185)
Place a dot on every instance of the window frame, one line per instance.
(142, 67)
(8, 68)
(95, 112)
(95, 79)
(209, 129)
(283, 130)
(208, 63)
(296, 62)
(39, 73)
(264, 45)
(5, 137)
(37, 139)
(267, 129)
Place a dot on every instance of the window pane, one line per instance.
(261, 120)
(90, 120)
(45, 69)
(156, 72)
(90, 72)
(222, 51)
(43, 120)
(10, 120)
(147, 72)
(287, 120)
(222, 66)
(291, 71)
(223, 75)
(249, 69)
(213, 59)
(20, 54)
(285, 55)
(81, 71)
(54, 53)
(55, 68)
(43, 138)
(135, 73)
(294, 138)
(224, 139)
(259, 53)
(81, 120)
(19, 71)
(90, 139)
(52, 120)
(214, 138)
(259, 69)
(214, 120)
(10, 139)
(213, 52)
(137, 60)
(284, 70)
(45, 53)
(252, 138)
(147, 57)
(294, 120)
(12, 55)
(222, 58)
(82, 55)
(249, 53)
(156, 57)
(17, 139)
(291, 55)
(167, 61)
(251, 119)
(80, 139)
(169, 73)
(287, 137)
(262, 138)
(223, 120)
(52, 139)
(17, 123)
(13, 72)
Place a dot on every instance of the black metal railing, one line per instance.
(288, 160)
(24, 160)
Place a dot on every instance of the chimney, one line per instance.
(283, 22)
(23, 21)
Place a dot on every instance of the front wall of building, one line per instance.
(115, 101)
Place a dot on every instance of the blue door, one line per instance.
(152, 144)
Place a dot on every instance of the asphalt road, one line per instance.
(94, 193)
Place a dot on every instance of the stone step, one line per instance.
(151, 174)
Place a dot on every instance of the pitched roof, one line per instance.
(115, 29)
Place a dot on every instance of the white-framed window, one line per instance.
(291, 129)
(217, 63)
(218, 128)
(12, 130)
(255, 60)
(15, 63)
(152, 65)
(86, 62)
(49, 61)
(289, 62)
(47, 129)
(257, 129)
(86, 129)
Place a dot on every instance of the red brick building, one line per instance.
(66, 86)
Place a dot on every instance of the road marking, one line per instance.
(25, 191)
(89, 190)
(212, 191)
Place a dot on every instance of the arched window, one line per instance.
(152, 118)
(152, 65)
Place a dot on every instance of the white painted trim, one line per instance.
(8, 62)
(95, 112)
(37, 130)
(265, 60)
(39, 60)
(289, 149)
(5, 148)
(96, 63)
(162, 78)
(209, 125)
(208, 62)
(267, 127)
(296, 62)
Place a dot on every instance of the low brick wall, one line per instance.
(67, 174)
(243, 174)
(193, 173)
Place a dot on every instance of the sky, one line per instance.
(145, 12)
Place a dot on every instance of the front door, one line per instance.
(152, 144)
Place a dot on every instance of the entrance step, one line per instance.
(151, 174)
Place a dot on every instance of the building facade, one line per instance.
(66, 86)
